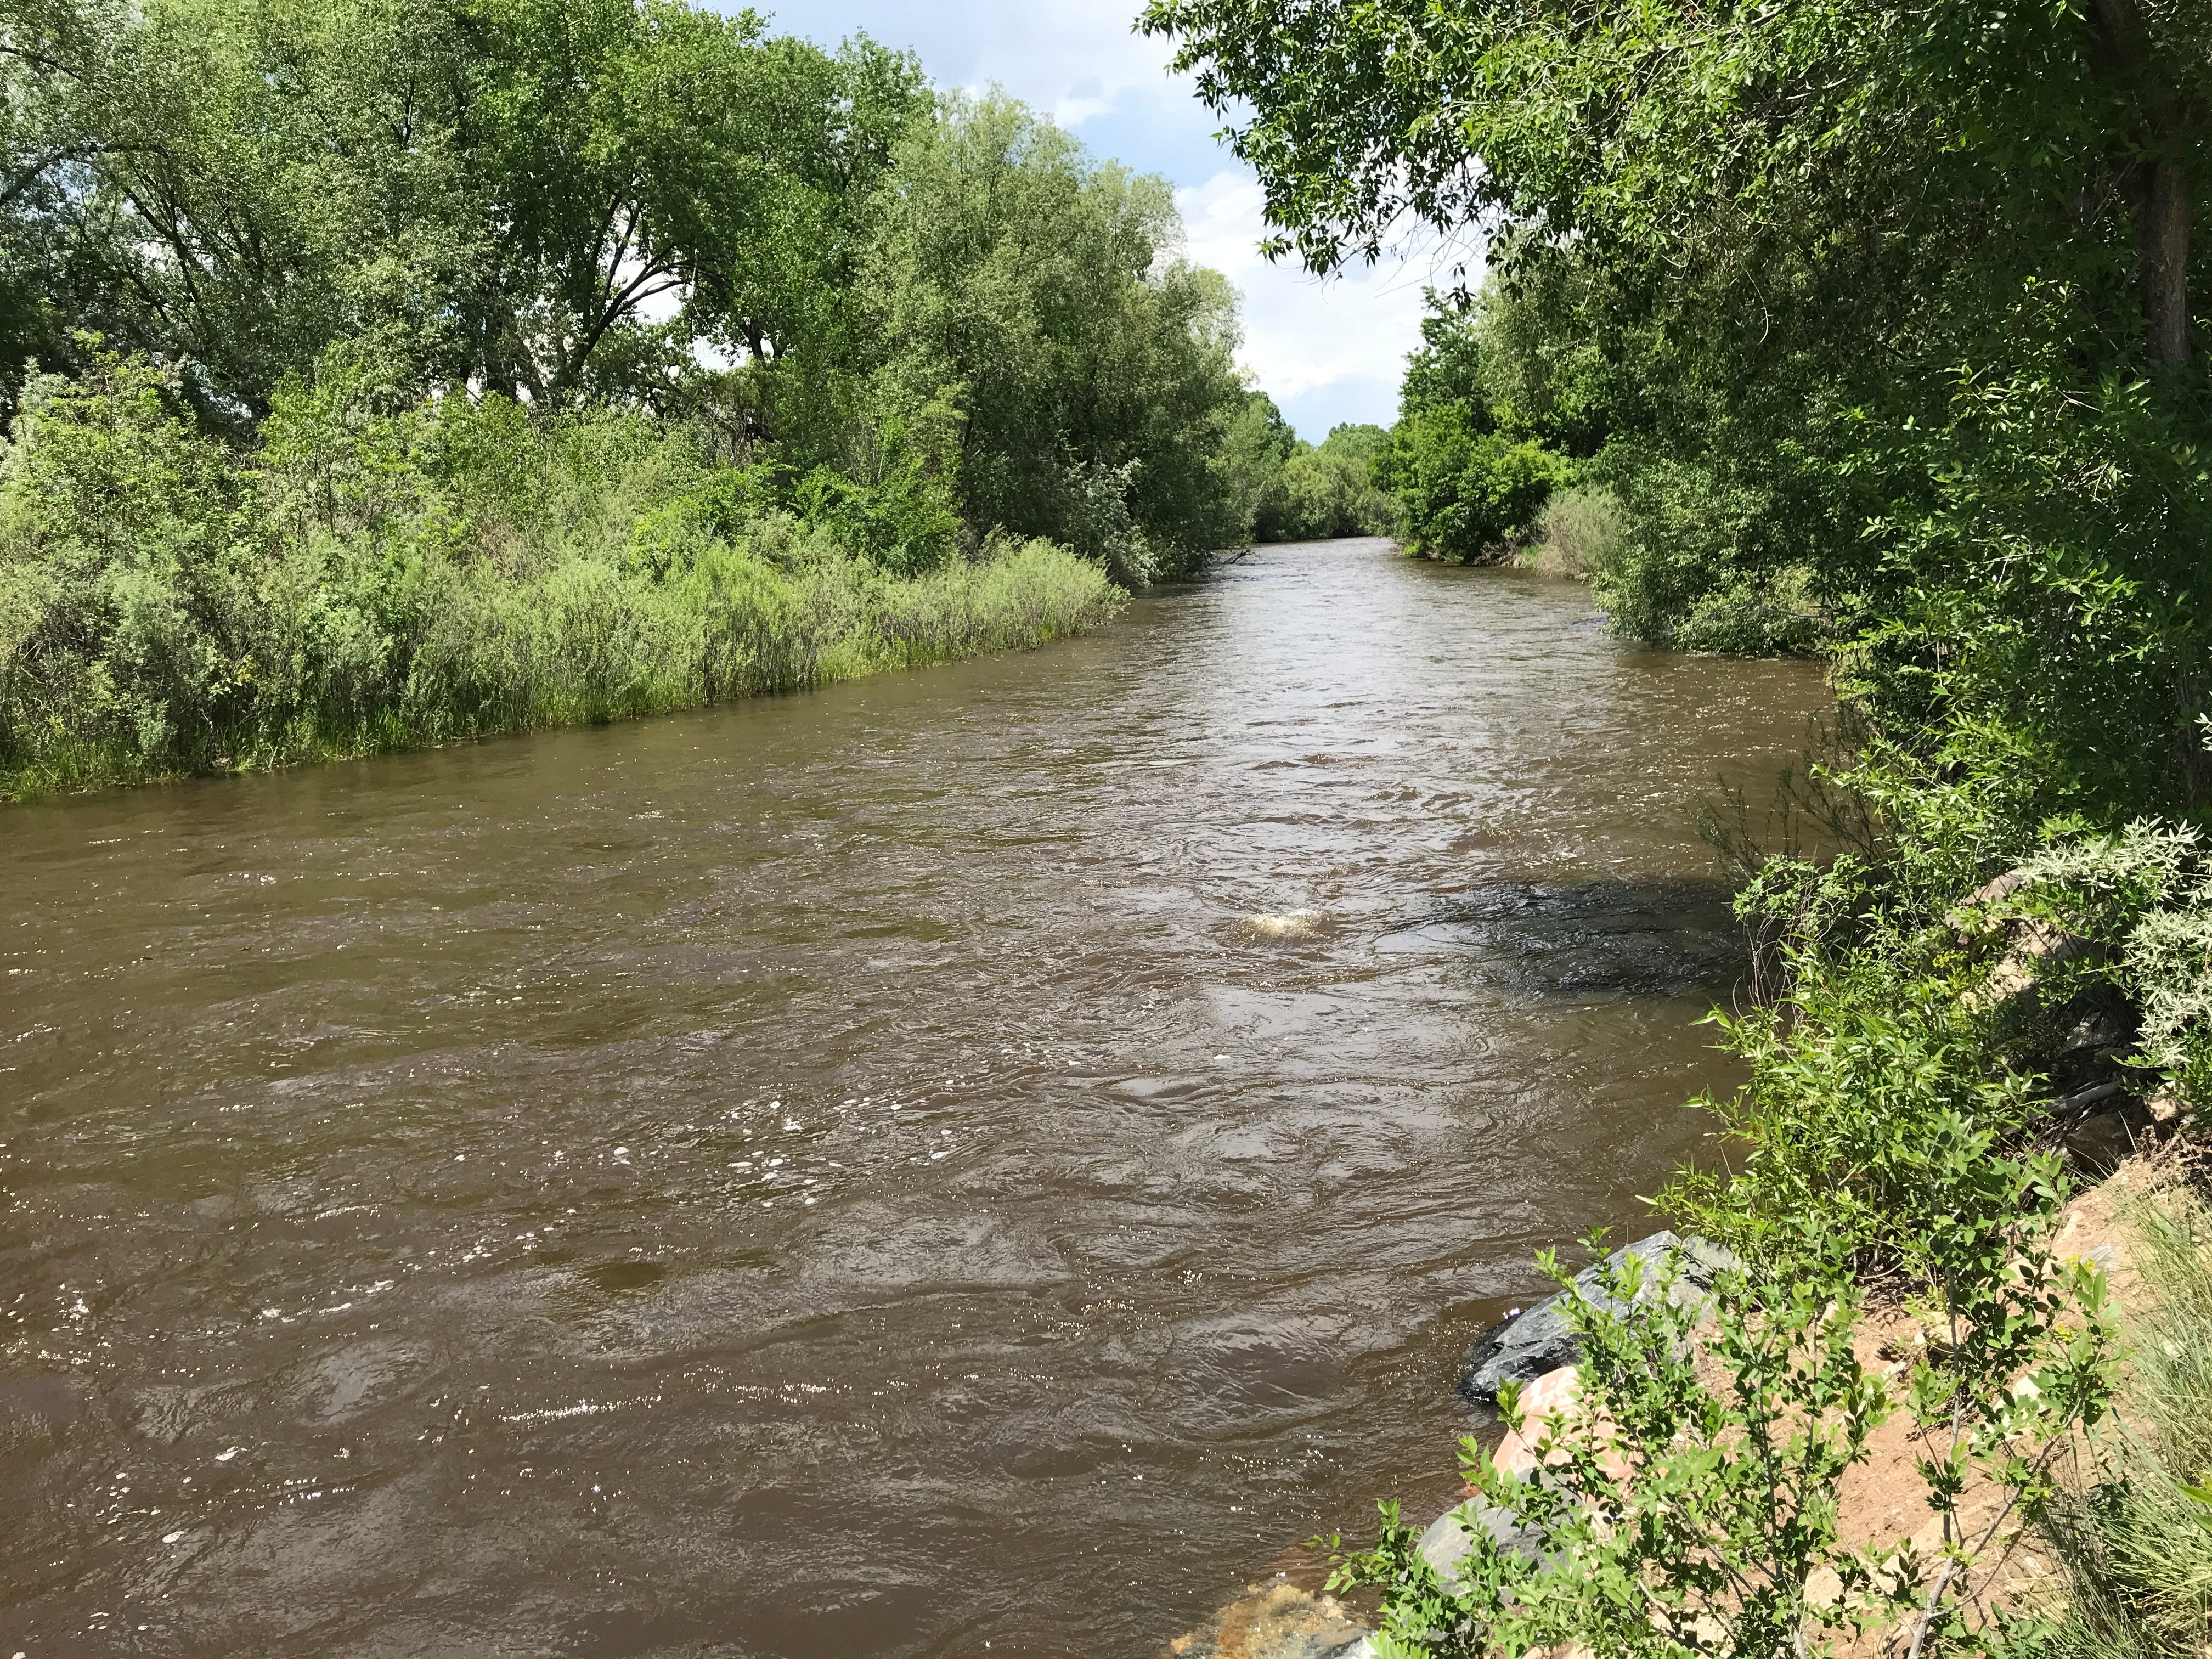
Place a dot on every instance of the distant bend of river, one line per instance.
(841, 1175)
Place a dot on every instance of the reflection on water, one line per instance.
(993, 1154)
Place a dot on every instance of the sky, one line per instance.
(1325, 351)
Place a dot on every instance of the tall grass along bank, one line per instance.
(363, 581)
(2134, 1539)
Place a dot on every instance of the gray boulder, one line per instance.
(1447, 1541)
(1523, 1348)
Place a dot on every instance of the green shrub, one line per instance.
(1869, 1067)
(1700, 566)
(896, 497)
(1669, 1517)
(1101, 526)
(1673, 1517)
(366, 580)
(1462, 492)
(1580, 532)
(1331, 487)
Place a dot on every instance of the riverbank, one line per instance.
(585, 643)
(1899, 1307)
(2120, 1227)
(364, 583)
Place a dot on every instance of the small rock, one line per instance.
(2098, 1029)
(2101, 1143)
(1448, 1540)
(1988, 893)
(1522, 1349)
(1277, 1621)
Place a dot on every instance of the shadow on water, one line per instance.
(1653, 938)
(986, 1155)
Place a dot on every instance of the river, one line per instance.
(843, 1174)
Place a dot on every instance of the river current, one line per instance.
(994, 1154)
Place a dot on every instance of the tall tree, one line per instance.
(645, 159)
(534, 196)
(1903, 142)
(1045, 288)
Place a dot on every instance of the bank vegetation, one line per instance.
(380, 374)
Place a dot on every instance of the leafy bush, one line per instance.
(1463, 492)
(1580, 532)
(2045, 611)
(1101, 525)
(1671, 1514)
(1869, 1067)
(1699, 566)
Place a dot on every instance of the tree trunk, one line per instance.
(2165, 252)
(2124, 53)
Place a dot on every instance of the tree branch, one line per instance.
(30, 173)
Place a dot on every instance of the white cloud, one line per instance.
(1073, 57)
(1326, 349)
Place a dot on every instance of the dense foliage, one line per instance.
(1464, 489)
(1528, 393)
(544, 272)
(1295, 491)
(1495, 418)
(1906, 293)
(942, 302)
(362, 581)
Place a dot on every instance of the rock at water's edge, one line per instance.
(1451, 1536)
(1523, 1348)
(1277, 1621)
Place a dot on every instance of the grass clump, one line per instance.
(1580, 532)
(364, 580)
(2137, 1544)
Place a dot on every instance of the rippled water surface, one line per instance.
(843, 1174)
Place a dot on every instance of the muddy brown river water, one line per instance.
(841, 1174)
